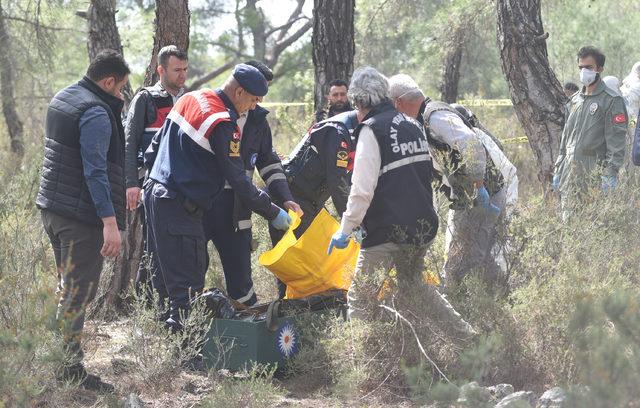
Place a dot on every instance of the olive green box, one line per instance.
(238, 344)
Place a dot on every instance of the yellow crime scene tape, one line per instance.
(465, 102)
(486, 102)
(514, 140)
(276, 104)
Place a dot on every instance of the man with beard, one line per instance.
(337, 101)
(81, 196)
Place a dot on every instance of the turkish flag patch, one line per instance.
(343, 144)
(620, 118)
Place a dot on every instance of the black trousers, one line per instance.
(177, 239)
(76, 247)
(234, 248)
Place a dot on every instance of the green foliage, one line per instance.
(158, 354)
(604, 331)
(252, 389)
(608, 26)
(423, 389)
(31, 351)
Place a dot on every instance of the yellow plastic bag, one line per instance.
(303, 264)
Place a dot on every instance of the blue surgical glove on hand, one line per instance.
(555, 183)
(609, 183)
(485, 202)
(338, 240)
(282, 221)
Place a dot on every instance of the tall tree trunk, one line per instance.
(255, 20)
(103, 33)
(333, 44)
(451, 66)
(11, 118)
(171, 28)
(535, 91)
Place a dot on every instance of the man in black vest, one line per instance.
(82, 194)
(391, 197)
(147, 113)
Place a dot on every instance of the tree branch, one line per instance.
(38, 25)
(277, 49)
(228, 48)
(197, 83)
(397, 315)
(293, 17)
(285, 26)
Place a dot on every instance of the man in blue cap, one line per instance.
(197, 149)
(228, 223)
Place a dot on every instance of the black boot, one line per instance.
(76, 373)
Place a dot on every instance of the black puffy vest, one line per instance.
(63, 189)
(402, 207)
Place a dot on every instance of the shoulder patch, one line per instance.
(342, 155)
(620, 118)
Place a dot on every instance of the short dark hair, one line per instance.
(106, 64)
(170, 51)
(591, 51)
(338, 82)
(263, 68)
(571, 86)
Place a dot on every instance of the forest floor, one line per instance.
(107, 354)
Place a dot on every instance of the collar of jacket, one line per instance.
(597, 91)
(259, 113)
(158, 85)
(116, 104)
(227, 102)
(383, 106)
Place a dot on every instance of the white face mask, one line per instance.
(587, 76)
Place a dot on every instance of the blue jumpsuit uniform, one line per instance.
(197, 149)
(228, 223)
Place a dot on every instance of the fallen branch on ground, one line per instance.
(415, 334)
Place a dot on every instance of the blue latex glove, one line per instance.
(485, 202)
(609, 183)
(282, 221)
(555, 183)
(338, 240)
